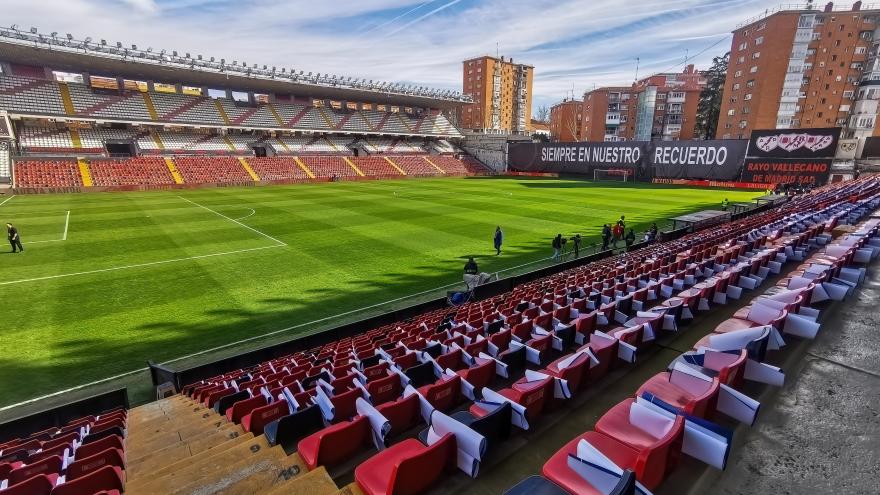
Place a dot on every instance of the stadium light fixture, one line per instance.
(33, 29)
(103, 42)
(54, 34)
(134, 47)
(69, 37)
(187, 55)
(14, 27)
(118, 44)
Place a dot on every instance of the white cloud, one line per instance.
(570, 42)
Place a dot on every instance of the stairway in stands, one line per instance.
(179, 446)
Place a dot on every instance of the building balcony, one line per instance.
(612, 119)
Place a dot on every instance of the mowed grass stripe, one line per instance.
(350, 245)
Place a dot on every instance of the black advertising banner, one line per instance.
(808, 172)
(576, 158)
(713, 160)
(872, 148)
(794, 143)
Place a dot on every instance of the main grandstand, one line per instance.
(293, 354)
(94, 116)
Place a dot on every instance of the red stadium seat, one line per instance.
(50, 466)
(83, 466)
(334, 443)
(243, 407)
(403, 414)
(104, 479)
(444, 394)
(257, 419)
(36, 485)
(406, 468)
(385, 389)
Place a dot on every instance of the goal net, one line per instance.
(612, 174)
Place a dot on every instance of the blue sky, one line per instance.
(573, 44)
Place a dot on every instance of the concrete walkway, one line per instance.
(821, 433)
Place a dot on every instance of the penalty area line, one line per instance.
(138, 265)
(6, 200)
(267, 236)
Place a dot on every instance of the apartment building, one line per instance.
(804, 67)
(566, 122)
(658, 107)
(502, 92)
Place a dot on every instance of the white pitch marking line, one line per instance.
(6, 200)
(248, 215)
(50, 240)
(139, 265)
(267, 236)
(66, 223)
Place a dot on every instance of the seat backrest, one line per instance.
(36, 485)
(406, 361)
(402, 414)
(107, 442)
(344, 404)
(50, 465)
(226, 402)
(264, 415)
(445, 394)
(421, 374)
(384, 389)
(288, 430)
(535, 397)
(376, 371)
(515, 360)
(479, 375)
(105, 478)
(243, 407)
(337, 442)
(451, 359)
(495, 426)
(414, 474)
(86, 465)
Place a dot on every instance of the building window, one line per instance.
(759, 40)
(753, 69)
(860, 50)
(750, 83)
(741, 59)
(736, 87)
(737, 73)
(743, 45)
(731, 112)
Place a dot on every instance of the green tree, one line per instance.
(709, 108)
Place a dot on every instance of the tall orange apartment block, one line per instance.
(658, 107)
(804, 67)
(502, 92)
(566, 121)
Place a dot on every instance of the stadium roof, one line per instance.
(69, 54)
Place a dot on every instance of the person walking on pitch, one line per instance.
(499, 239)
(14, 238)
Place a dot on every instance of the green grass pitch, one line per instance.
(110, 280)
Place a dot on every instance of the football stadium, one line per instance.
(231, 278)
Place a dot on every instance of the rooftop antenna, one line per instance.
(637, 69)
(497, 49)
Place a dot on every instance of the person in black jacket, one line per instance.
(576, 243)
(14, 238)
(606, 236)
(557, 246)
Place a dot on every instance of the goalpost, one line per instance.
(612, 174)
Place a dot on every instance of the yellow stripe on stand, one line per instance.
(84, 172)
(65, 99)
(404, 122)
(229, 143)
(221, 111)
(169, 162)
(353, 166)
(157, 139)
(283, 144)
(327, 119)
(387, 159)
(276, 115)
(75, 139)
(247, 167)
(433, 165)
(304, 167)
(148, 102)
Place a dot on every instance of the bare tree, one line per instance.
(542, 113)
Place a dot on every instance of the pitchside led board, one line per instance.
(792, 156)
(576, 158)
(715, 160)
